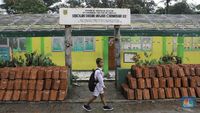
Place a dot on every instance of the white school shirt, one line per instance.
(99, 76)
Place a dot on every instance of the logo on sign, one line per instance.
(65, 12)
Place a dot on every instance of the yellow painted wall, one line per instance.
(156, 52)
(169, 44)
(191, 57)
(87, 60)
(57, 57)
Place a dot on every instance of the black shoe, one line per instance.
(87, 107)
(107, 108)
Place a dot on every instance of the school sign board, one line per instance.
(94, 16)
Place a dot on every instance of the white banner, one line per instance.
(94, 16)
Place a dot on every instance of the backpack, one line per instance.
(92, 82)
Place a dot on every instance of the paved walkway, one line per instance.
(79, 95)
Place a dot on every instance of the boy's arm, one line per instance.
(100, 79)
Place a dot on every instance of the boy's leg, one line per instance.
(91, 100)
(103, 99)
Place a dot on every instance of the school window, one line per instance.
(22, 44)
(13, 43)
(58, 44)
(146, 43)
(136, 43)
(192, 43)
(196, 43)
(131, 43)
(4, 41)
(83, 44)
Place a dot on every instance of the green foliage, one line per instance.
(24, 6)
(170, 59)
(166, 59)
(31, 59)
(178, 8)
(34, 59)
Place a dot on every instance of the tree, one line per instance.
(24, 6)
(50, 2)
(137, 6)
(181, 8)
(178, 8)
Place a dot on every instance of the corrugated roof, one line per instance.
(47, 22)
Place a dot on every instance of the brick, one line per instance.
(125, 88)
(17, 84)
(27, 72)
(63, 84)
(138, 72)
(61, 95)
(138, 94)
(53, 95)
(4, 73)
(24, 84)
(16, 95)
(170, 82)
(132, 82)
(186, 70)
(198, 81)
(146, 94)
(161, 93)
(184, 92)
(47, 84)
(145, 72)
(191, 92)
(184, 81)
(155, 82)
(181, 72)
(169, 93)
(56, 84)
(19, 73)
(177, 82)
(3, 84)
(38, 96)
(45, 95)
(2, 93)
(152, 72)
(176, 93)
(192, 71)
(174, 70)
(198, 71)
(10, 85)
(39, 84)
(8, 95)
(31, 94)
(41, 74)
(31, 84)
(159, 71)
(12, 74)
(162, 82)
(33, 74)
(154, 93)
(192, 82)
(197, 91)
(55, 74)
(141, 83)
(24, 95)
(63, 74)
(166, 71)
(148, 83)
(48, 74)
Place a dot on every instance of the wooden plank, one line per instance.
(68, 50)
(117, 50)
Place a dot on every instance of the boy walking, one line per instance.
(99, 88)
